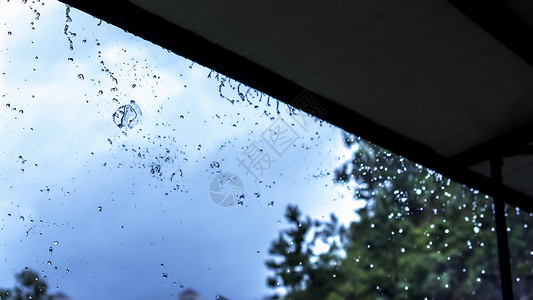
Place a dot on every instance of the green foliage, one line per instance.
(419, 236)
(31, 287)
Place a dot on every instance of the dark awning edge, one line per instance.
(125, 15)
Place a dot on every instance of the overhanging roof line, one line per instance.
(495, 18)
(509, 143)
(127, 16)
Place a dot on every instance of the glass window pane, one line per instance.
(127, 171)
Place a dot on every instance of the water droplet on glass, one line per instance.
(8, 105)
(22, 218)
(56, 242)
(80, 76)
(49, 263)
(162, 265)
(165, 275)
(258, 252)
(67, 270)
(99, 209)
(50, 250)
(9, 33)
(182, 117)
(271, 203)
(133, 85)
(127, 115)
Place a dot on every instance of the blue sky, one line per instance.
(69, 174)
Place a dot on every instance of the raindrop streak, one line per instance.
(67, 14)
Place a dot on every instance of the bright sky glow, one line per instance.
(127, 205)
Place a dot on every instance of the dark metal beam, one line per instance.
(501, 230)
(503, 145)
(153, 28)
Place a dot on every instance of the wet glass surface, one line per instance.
(127, 171)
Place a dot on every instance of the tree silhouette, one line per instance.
(31, 286)
(420, 235)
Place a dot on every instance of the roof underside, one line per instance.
(446, 86)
